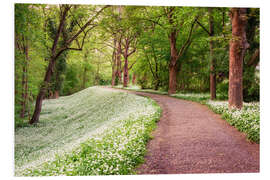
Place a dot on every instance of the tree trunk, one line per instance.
(49, 72)
(172, 80)
(56, 94)
(133, 79)
(238, 46)
(84, 78)
(114, 63)
(125, 79)
(173, 64)
(157, 83)
(118, 63)
(24, 82)
(212, 58)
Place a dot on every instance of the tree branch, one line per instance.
(60, 28)
(85, 25)
(188, 41)
(133, 51)
(253, 61)
(130, 67)
(203, 27)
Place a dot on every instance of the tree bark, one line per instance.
(84, 78)
(126, 54)
(172, 80)
(133, 79)
(212, 58)
(40, 97)
(118, 62)
(125, 79)
(114, 62)
(238, 46)
(24, 81)
(173, 64)
(56, 94)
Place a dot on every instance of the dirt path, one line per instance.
(190, 138)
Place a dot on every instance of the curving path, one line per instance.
(190, 138)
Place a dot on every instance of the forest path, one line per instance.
(190, 138)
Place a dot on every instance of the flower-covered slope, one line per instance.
(95, 131)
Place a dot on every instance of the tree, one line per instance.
(27, 36)
(57, 51)
(238, 46)
(251, 86)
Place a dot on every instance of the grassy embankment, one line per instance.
(93, 132)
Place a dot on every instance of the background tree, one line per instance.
(28, 33)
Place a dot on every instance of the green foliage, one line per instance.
(251, 84)
(222, 90)
(28, 35)
(71, 83)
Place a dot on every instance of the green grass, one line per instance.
(93, 132)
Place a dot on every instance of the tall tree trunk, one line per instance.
(172, 80)
(125, 79)
(84, 78)
(24, 81)
(212, 58)
(238, 46)
(173, 64)
(41, 94)
(133, 79)
(56, 94)
(118, 63)
(84, 70)
(157, 83)
(114, 62)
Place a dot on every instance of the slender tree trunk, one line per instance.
(84, 78)
(213, 63)
(114, 62)
(118, 62)
(173, 64)
(125, 76)
(41, 94)
(56, 94)
(24, 82)
(238, 46)
(172, 80)
(133, 79)
(125, 79)
(157, 83)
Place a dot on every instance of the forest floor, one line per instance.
(190, 138)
